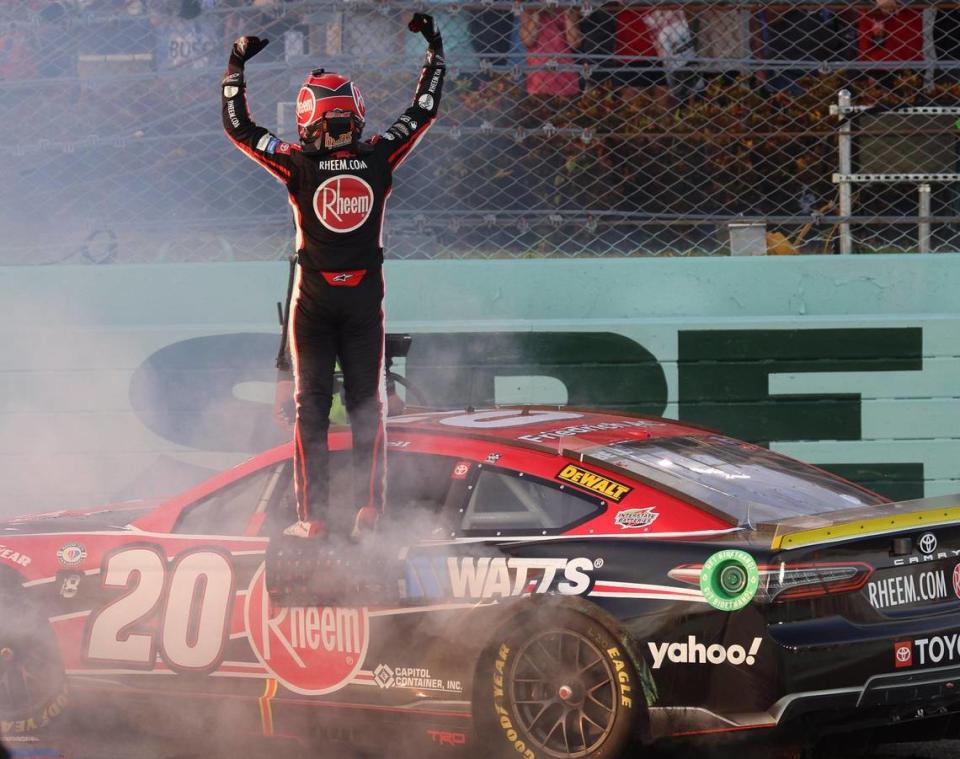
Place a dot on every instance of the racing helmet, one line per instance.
(329, 104)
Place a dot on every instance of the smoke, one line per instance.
(87, 417)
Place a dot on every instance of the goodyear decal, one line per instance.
(502, 711)
(615, 491)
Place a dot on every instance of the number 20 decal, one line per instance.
(194, 611)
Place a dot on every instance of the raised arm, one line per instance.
(255, 141)
(404, 134)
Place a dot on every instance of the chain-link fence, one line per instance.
(566, 129)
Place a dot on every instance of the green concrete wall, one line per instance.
(120, 374)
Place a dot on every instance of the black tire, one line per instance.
(32, 680)
(558, 685)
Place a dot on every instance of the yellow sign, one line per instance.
(615, 491)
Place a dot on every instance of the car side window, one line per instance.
(228, 510)
(417, 481)
(417, 484)
(505, 501)
(280, 507)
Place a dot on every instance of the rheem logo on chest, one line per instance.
(343, 203)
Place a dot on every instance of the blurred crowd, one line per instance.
(634, 109)
(625, 44)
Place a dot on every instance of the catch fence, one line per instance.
(566, 129)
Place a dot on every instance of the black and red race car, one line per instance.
(550, 582)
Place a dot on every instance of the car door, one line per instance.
(167, 610)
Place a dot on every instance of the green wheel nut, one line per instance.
(730, 579)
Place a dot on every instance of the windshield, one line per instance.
(748, 482)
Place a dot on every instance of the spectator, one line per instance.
(17, 59)
(185, 38)
(58, 41)
(946, 39)
(274, 20)
(550, 38)
(491, 34)
(372, 38)
(454, 25)
(890, 33)
(674, 44)
(636, 49)
(599, 45)
(723, 38)
(800, 34)
(119, 42)
(372, 43)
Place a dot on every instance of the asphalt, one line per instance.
(140, 748)
(938, 750)
(927, 750)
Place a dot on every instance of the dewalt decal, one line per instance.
(615, 491)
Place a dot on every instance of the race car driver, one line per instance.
(337, 185)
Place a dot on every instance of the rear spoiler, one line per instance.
(834, 527)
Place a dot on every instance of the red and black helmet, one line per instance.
(322, 93)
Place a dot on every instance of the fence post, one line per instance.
(844, 147)
(923, 231)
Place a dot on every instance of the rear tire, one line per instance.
(557, 685)
(32, 679)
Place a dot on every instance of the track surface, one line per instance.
(937, 750)
(137, 747)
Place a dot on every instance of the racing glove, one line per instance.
(425, 25)
(243, 49)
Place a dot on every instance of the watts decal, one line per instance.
(489, 578)
(615, 491)
(498, 577)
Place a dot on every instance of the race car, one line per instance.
(549, 582)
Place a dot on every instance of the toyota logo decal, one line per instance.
(927, 543)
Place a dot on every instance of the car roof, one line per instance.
(546, 428)
(550, 429)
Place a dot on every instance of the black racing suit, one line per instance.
(336, 310)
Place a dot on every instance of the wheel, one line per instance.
(557, 685)
(32, 679)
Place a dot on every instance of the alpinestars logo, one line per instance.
(343, 203)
